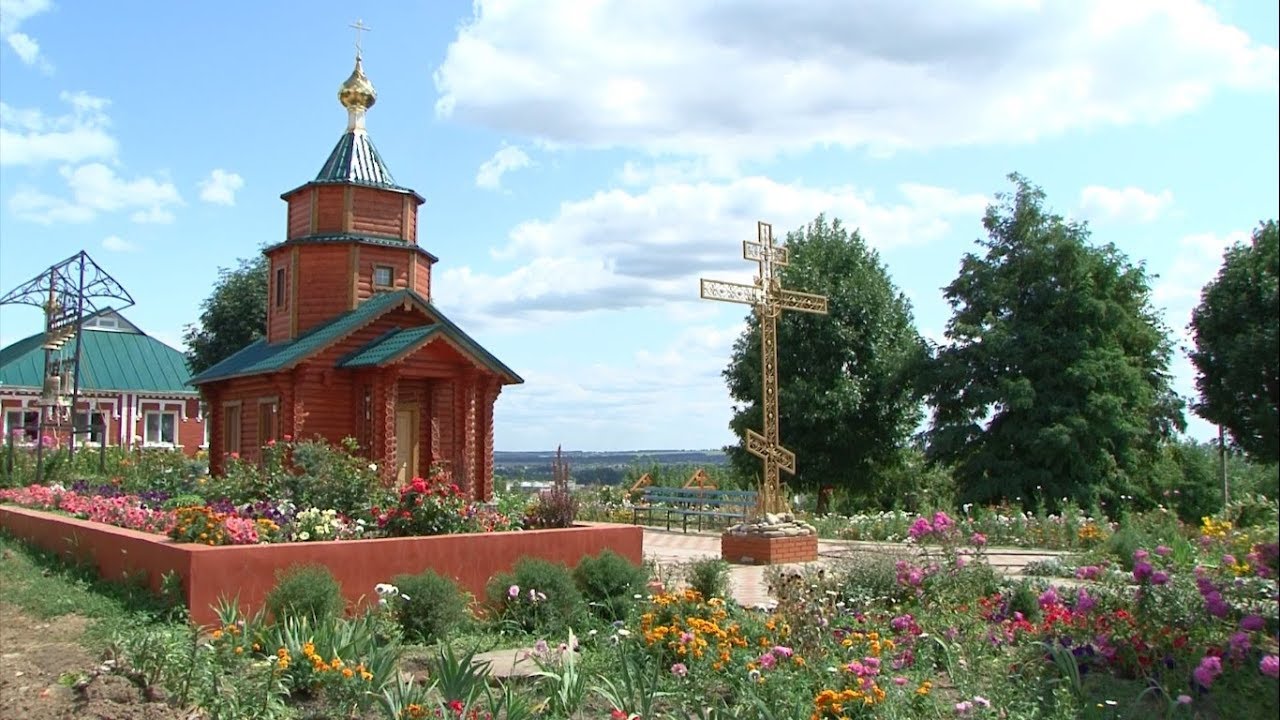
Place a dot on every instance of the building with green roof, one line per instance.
(354, 347)
(134, 389)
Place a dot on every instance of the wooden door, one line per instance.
(406, 442)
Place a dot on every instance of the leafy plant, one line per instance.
(431, 606)
(537, 596)
(309, 591)
(555, 508)
(709, 576)
(609, 583)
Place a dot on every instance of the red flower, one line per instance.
(617, 715)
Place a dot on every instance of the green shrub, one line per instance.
(537, 596)
(331, 477)
(430, 606)
(609, 583)
(867, 576)
(709, 576)
(305, 591)
(1025, 599)
(184, 500)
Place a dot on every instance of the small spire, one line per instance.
(357, 94)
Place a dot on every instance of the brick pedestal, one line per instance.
(760, 550)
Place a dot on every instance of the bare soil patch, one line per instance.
(35, 654)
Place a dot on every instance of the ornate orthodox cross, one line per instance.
(359, 28)
(768, 299)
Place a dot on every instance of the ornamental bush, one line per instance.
(305, 591)
(609, 584)
(537, 596)
(429, 606)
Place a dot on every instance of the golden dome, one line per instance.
(357, 92)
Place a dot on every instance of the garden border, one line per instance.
(248, 571)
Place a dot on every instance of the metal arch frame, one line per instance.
(65, 291)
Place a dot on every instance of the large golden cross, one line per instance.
(768, 299)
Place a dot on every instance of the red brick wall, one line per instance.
(248, 571)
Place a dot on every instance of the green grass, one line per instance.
(45, 586)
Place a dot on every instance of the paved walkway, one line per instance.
(748, 587)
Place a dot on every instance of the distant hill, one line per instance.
(599, 468)
(626, 458)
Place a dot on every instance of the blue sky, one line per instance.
(585, 162)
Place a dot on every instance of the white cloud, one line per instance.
(508, 158)
(754, 78)
(616, 403)
(607, 252)
(115, 243)
(96, 188)
(220, 187)
(12, 14)
(1124, 204)
(29, 137)
(1195, 262)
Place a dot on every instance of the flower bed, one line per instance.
(248, 572)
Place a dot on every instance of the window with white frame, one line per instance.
(89, 426)
(22, 425)
(161, 428)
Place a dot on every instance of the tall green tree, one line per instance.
(234, 314)
(846, 399)
(1236, 330)
(1054, 378)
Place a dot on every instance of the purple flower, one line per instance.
(1048, 598)
(1140, 555)
(1084, 603)
(1142, 571)
(1239, 643)
(978, 539)
(1252, 623)
(1210, 667)
(1228, 559)
(1163, 550)
(1159, 577)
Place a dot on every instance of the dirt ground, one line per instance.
(35, 654)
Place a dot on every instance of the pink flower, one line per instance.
(1270, 665)
(782, 651)
(679, 670)
(899, 681)
(767, 661)
(977, 539)
(513, 592)
(1163, 550)
(963, 707)
(1184, 699)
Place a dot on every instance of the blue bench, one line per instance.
(729, 505)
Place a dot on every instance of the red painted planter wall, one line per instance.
(248, 571)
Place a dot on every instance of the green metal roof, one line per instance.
(109, 360)
(261, 357)
(358, 238)
(390, 346)
(355, 160)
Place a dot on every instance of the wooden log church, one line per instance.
(354, 346)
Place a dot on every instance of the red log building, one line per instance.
(354, 346)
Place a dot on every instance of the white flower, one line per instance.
(304, 536)
(373, 467)
(386, 589)
(624, 632)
